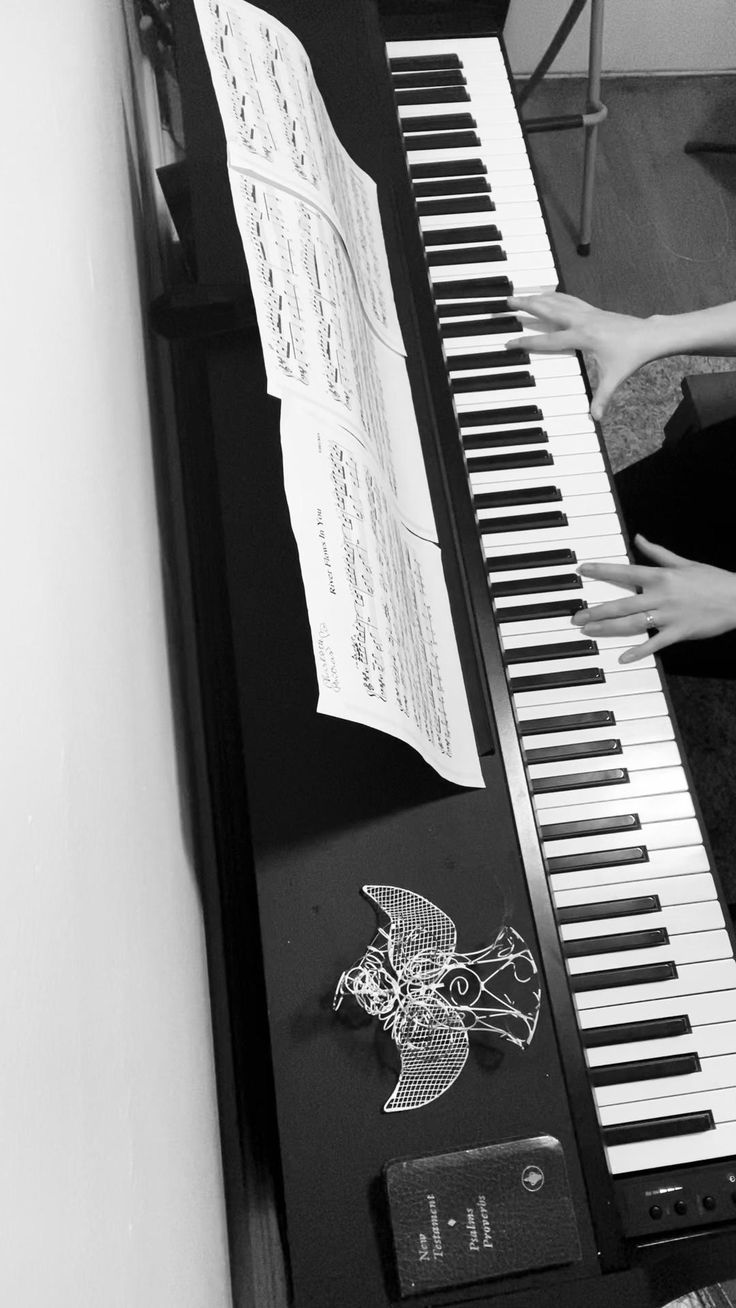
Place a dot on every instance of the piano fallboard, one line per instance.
(297, 812)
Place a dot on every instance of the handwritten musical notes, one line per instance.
(355, 479)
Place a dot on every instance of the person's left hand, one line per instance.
(682, 599)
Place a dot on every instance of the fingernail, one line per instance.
(628, 656)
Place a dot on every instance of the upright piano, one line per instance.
(586, 837)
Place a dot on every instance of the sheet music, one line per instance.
(317, 341)
(382, 631)
(277, 128)
(355, 479)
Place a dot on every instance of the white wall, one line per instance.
(110, 1184)
(639, 35)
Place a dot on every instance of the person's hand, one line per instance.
(678, 598)
(618, 343)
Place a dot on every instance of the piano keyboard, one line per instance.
(650, 962)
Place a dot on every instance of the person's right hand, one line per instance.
(617, 342)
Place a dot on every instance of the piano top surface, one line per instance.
(332, 805)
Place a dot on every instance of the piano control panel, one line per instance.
(656, 1204)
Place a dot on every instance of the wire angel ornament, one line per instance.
(429, 997)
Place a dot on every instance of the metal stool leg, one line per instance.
(595, 111)
(594, 114)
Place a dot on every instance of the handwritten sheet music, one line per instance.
(355, 479)
(382, 632)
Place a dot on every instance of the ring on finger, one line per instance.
(650, 623)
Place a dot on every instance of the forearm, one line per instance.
(703, 331)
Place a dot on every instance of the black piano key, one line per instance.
(614, 944)
(495, 325)
(557, 680)
(435, 59)
(424, 79)
(432, 95)
(462, 235)
(595, 826)
(597, 858)
(461, 140)
(467, 254)
(493, 381)
(534, 559)
(551, 609)
(488, 359)
(471, 288)
(646, 1069)
(629, 906)
(535, 586)
(568, 722)
(455, 204)
(528, 413)
(452, 168)
(568, 649)
(486, 306)
(487, 440)
(580, 780)
(622, 1033)
(512, 459)
(447, 186)
(658, 1128)
(530, 494)
(616, 978)
(451, 122)
(522, 522)
(578, 749)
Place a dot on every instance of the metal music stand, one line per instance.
(594, 113)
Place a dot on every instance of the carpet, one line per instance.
(705, 708)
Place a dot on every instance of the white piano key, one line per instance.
(679, 1151)
(595, 483)
(701, 1009)
(493, 340)
(578, 506)
(695, 947)
(540, 391)
(663, 807)
(669, 874)
(657, 754)
(607, 654)
(717, 1073)
(566, 535)
(524, 224)
(672, 833)
(707, 1041)
(534, 277)
(693, 978)
(512, 640)
(721, 1102)
(627, 706)
(635, 732)
(500, 477)
(550, 806)
(630, 681)
(541, 369)
(533, 578)
(599, 591)
(677, 919)
(573, 446)
(511, 246)
(690, 887)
